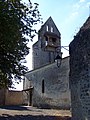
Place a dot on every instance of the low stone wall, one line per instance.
(10, 97)
(2, 96)
(14, 97)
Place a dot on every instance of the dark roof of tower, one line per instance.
(49, 19)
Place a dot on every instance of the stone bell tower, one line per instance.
(48, 44)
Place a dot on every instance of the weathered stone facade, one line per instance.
(50, 83)
(56, 92)
(80, 73)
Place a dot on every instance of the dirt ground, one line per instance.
(32, 113)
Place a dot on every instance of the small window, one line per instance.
(43, 87)
(51, 29)
(47, 28)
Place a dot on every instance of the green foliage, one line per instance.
(16, 21)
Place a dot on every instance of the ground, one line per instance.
(32, 113)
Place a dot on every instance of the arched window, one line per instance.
(43, 86)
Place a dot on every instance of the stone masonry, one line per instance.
(56, 86)
(44, 50)
(80, 73)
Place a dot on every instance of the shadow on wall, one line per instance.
(44, 102)
(30, 117)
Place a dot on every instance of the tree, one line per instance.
(16, 22)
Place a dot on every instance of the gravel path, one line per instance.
(32, 113)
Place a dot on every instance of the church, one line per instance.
(47, 85)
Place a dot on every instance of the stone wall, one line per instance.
(56, 85)
(10, 97)
(80, 74)
(2, 96)
(14, 97)
(41, 57)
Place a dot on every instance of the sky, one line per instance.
(68, 15)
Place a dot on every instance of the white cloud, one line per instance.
(76, 6)
(88, 4)
(74, 14)
(76, 9)
(81, 1)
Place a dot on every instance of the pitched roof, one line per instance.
(49, 19)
